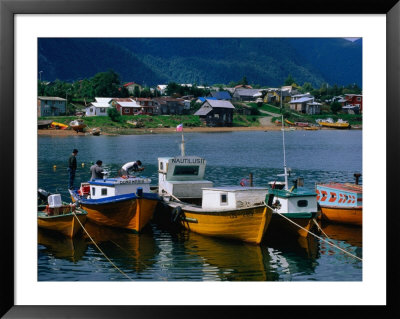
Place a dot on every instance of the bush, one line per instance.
(114, 115)
(336, 107)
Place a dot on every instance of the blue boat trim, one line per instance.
(295, 193)
(113, 199)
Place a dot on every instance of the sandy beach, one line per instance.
(68, 132)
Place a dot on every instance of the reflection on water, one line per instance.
(161, 255)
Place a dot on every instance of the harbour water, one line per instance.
(160, 255)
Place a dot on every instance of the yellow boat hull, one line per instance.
(132, 214)
(64, 224)
(248, 225)
(335, 125)
(342, 215)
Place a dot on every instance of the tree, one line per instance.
(335, 107)
(106, 84)
(306, 87)
(290, 80)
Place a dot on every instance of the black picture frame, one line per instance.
(8, 10)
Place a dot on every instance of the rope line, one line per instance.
(329, 243)
(320, 228)
(101, 250)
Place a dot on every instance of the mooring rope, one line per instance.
(101, 250)
(320, 228)
(329, 243)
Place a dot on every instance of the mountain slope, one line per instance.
(152, 61)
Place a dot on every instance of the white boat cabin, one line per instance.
(182, 176)
(103, 188)
(296, 201)
(233, 197)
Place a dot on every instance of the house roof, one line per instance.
(243, 86)
(51, 98)
(129, 104)
(203, 99)
(302, 100)
(221, 95)
(131, 83)
(103, 99)
(204, 110)
(246, 92)
(220, 103)
(97, 104)
(122, 99)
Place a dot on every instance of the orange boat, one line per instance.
(117, 202)
(61, 219)
(341, 202)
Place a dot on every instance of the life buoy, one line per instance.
(177, 214)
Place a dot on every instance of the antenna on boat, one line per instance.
(183, 145)
(179, 128)
(284, 152)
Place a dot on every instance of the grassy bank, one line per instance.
(149, 122)
(353, 119)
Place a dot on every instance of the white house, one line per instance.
(161, 88)
(99, 108)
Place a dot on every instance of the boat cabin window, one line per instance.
(103, 191)
(186, 170)
(93, 191)
(224, 199)
(302, 203)
(161, 166)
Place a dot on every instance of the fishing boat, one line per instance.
(312, 128)
(302, 124)
(77, 125)
(118, 202)
(95, 131)
(237, 213)
(58, 125)
(292, 207)
(61, 217)
(289, 122)
(340, 124)
(341, 202)
(43, 124)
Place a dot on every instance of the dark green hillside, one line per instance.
(73, 59)
(152, 61)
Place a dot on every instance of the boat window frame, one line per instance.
(223, 203)
(301, 201)
(93, 191)
(178, 167)
(102, 191)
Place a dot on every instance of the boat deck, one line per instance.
(344, 187)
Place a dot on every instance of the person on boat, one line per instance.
(72, 168)
(97, 170)
(131, 167)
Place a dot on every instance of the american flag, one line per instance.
(179, 128)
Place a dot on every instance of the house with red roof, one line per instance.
(130, 86)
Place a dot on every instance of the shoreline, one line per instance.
(136, 131)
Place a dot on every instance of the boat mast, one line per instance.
(183, 145)
(284, 152)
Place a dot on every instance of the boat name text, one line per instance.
(188, 161)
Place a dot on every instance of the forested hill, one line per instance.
(152, 61)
